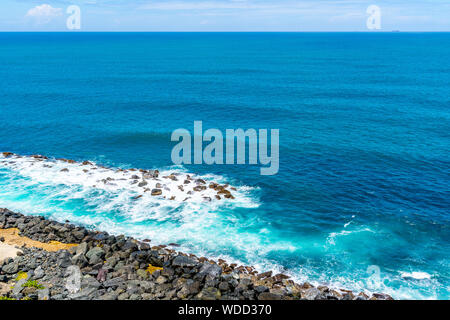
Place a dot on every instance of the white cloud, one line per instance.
(44, 10)
(43, 14)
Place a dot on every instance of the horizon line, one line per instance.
(225, 31)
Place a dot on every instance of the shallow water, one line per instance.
(364, 125)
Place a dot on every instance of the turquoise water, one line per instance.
(364, 125)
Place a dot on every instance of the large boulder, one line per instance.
(183, 261)
(209, 271)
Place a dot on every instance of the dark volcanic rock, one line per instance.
(183, 261)
(108, 267)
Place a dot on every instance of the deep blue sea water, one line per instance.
(364, 123)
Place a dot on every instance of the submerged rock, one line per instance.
(142, 183)
(156, 192)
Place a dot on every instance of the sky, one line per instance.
(224, 15)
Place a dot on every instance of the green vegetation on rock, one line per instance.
(33, 284)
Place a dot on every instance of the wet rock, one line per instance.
(382, 296)
(156, 192)
(142, 183)
(172, 177)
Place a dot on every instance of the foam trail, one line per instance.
(114, 200)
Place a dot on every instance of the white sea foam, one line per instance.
(108, 199)
(331, 240)
(112, 189)
(415, 275)
(210, 228)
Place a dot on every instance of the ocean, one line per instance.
(362, 197)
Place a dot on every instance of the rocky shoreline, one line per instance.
(99, 266)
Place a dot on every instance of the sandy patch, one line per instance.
(7, 251)
(12, 238)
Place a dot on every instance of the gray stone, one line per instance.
(43, 294)
(10, 268)
(64, 259)
(38, 273)
(108, 296)
(18, 286)
(89, 282)
(123, 296)
(142, 183)
(261, 289)
(311, 294)
(85, 294)
(224, 286)
(161, 280)
(183, 261)
(209, 294)
(79, 259)
(268, 296)
(95, 255)
(210, 271)
(113, 283)
(82, 248)
(142, 273)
